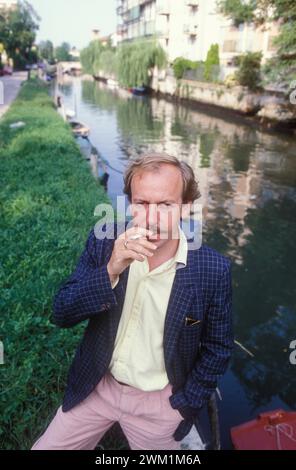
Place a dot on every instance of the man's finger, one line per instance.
(140, 231)
(131, 254)
(138, 248)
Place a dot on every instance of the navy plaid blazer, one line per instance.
(196, 351)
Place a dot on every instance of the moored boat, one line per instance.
(79, 129)
(273, 430)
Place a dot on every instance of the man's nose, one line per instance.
(152, 215)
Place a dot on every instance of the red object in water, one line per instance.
(274, 430)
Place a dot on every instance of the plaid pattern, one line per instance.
(198, 337)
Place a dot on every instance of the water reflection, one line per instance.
(248, 185)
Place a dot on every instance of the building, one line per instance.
(188, 28)
(136, 18)
(95, 34)
(75, 53)
(8, 5)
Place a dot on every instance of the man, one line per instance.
(159, 331)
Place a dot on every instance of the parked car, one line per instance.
(6, 70)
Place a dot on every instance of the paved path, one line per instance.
(10, 86)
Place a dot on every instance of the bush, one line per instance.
(230, 80)
(212, 60)
(248, 73)
(180, 65)
(47, 200)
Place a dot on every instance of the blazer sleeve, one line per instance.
(216, 347)
(88, 291)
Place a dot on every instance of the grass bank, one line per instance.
(48, 196)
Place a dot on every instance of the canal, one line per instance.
(248, 183)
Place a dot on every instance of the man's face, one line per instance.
(156, 202)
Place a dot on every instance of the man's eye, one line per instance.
(164, 205)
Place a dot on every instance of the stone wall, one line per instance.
(266, 105)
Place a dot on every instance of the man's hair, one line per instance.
(152, 162)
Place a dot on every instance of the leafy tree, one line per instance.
(62, 52)
(131, 63)
(248, 73)
(211, 61)
(18, 32)
(136, 61)
(46, 50)
(239, 11)
(90, 57)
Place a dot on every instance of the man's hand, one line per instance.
(129, 246)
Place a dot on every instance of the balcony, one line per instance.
(191, 30)
(164, 9)
(164, 33)
(149, 28)
(142, 2)
(121, 28)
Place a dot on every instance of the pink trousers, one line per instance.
(146, 418)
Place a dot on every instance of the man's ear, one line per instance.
(185, 210)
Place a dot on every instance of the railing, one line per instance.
(192, 3)
(190, 29)
(164, 8)
(198, 74)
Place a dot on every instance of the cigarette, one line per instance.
(135, 237)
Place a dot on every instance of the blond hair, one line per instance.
(152, 162)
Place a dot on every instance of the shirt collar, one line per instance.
(182, 251)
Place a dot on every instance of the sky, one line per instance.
(73, 20)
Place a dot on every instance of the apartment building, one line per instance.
(6, 5)
(188, 28)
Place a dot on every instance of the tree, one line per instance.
(248, 73)
(46, 50)
(62, 52)
(212, 60)
(239, 11)
(91, 55)
(131, 63)
(18, 32)
(136, 61)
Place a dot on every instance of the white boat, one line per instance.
(112, 83)
(79, 129)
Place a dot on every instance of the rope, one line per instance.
(282, 428)
(96, 152)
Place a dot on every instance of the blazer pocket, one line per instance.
(189, 321)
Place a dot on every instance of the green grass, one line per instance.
(48, 196)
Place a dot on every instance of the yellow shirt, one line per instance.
(138, 356)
